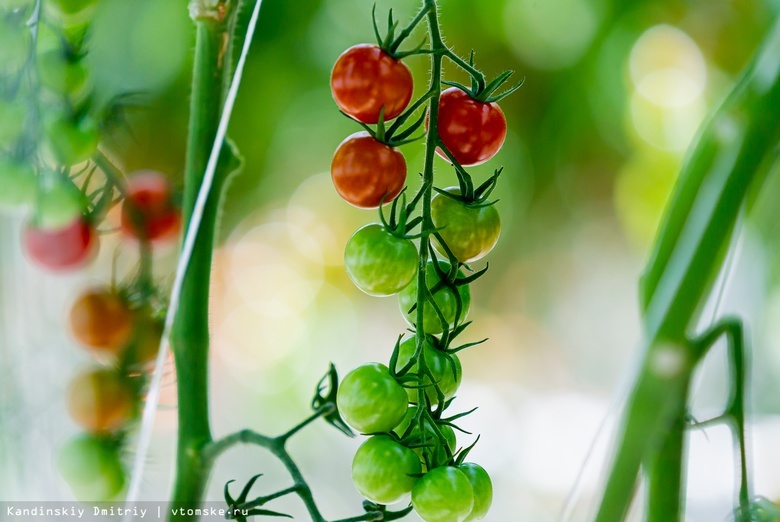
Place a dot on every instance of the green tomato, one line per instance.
(71, 141)
(11, 122)
(383, 470)
(379, 263)
(371, 400)
(63, 76)
(443, 495)
(483, 490)
(432, 444)
(447, 375)
(59, 203)
(92, 468)
(445, 299)
(18, 183)
(469, 231)
(15, 41)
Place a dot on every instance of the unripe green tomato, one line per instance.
(381, 470)
(445, 374)
(15, 40)
(443, 495)
(469, 231)
(18, 183)
(436, 449)
(11, 122)
(62, 76)
(59, 203)
(92, 468)
(379, 263)
(371, 400)
(482, 487)
(72, 141)
(444, 297)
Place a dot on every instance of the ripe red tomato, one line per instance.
(100, 401)
(100, 319)
(148, 211)
(471, 130)
(365, 79)
(365, 170)
(61, 249)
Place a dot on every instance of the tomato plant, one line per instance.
(430, 440)
(443, 495)
(371, 400)
(379, 262)
(92, 467)
(101, 320)
(61, 249)
(445, 297)
(472, 131)
(72, 140)
(63, 75)
(482, 487)
(366, 172)
(365, 80)
(383, 470)
(469, 230)
(100, 400)
(148, 211)
(445, 374)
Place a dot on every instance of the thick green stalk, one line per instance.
(715, 183)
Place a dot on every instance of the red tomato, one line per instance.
(472, 131)
(148, 211)
(365, 79)
(365, 170)
(61, 249)
(101, 320)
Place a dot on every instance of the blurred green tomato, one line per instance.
(63, 76)
(15, 42)
(11, 122)
(18, 183)
(444, 297)
(92, 468)
(445, 374)
(59, 203)
(72, 141)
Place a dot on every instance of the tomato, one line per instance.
(470, 232)
(443, 373)
(15, 42)
(100, 319)
(472, 131)
(61, 249)
(92, 467)
(365, 79)
(100, 401)
(432, 442)
(364, 171)
(381, 470)
(71, 140)
(58, 203)
(18, 182)
(444, 297)
(148, 211)
(63, 76)
(443, 495)
(145, 342)
(12, 116)
(371, 400)
(482, 487)
(378, 262)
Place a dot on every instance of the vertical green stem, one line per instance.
(665, 488)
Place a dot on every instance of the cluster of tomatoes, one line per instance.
(50, 126)
(412, 448)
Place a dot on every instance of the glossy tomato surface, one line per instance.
(371, 400)
(92, 467)
(148, 211)
(101, 320)
(61, 249)
(470, 231)
(443, 495)
(445, 374)
(381, 470)
(365, 79)
(472, 131)
(482, 487)
(100, 401)
(366, 172)
(444, 297)
(379, 263)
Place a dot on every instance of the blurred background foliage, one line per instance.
(613, 94)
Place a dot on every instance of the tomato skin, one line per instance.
(145, 341)
(72, 141)
(443, 495)
(62, 76)
(92, 467)
(101, 320)
(148, 211)
(100, 401)
(61, 249)
(444, 297)
(365, 79)
(365, 170)
(371, 400)
(482, 487)
(381, 469)
(438, 364)
(472, 131)
(470, 232)
(379, 263)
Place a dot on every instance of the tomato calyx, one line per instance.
(482, 92)
(392, 136)
(325, 397)
(390, 43)
(399, 223)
